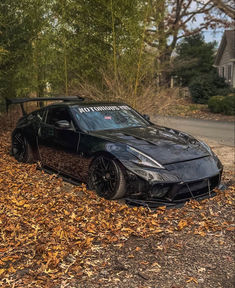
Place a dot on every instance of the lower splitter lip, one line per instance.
(155, 203)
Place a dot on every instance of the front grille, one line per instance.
(194, 189)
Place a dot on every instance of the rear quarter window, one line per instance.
(39, 114)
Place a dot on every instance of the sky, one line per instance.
(210, 34)
(213, 35)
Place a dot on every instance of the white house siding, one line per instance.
(224, 62)
(225, 58)
(223, 68)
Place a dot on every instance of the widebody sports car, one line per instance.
(116, 151)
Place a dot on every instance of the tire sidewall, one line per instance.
(27, 157)
(120, 188)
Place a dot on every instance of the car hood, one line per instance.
(162, 144)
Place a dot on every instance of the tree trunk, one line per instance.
(40, 85)
(164, 69)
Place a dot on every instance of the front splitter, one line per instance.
(155, 203)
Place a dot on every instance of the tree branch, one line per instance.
(195, 31)
(225, 8)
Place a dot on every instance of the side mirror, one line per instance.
(146, 117)
(63, 124)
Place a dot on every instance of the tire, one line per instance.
(106, 178)
(21, 149)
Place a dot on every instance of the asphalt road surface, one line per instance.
(221, 132)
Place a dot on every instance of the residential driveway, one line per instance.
(220, 132)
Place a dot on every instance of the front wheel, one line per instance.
(21, 149)
(106, 178)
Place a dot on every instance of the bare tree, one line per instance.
(172, 20)
(227, 7)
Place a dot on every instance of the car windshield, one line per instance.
(107, 117)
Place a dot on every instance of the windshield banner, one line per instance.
(102, 108)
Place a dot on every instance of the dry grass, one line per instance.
(148, 99)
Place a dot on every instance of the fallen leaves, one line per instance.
(2, 271)
(192, 279)
(183, 223)
(48, 228)
(43, 220)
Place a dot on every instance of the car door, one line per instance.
(57, 145)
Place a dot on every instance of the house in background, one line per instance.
(225, 57)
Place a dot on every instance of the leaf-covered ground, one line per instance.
(54, 234)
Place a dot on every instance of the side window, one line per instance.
(57, 114)
(40, 114)
(37, 115)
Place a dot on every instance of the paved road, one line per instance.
(221, 132)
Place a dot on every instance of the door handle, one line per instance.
(39, 132)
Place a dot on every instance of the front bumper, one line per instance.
(177, 193)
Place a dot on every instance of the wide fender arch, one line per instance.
(32, 141)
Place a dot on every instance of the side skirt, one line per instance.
(65, 177)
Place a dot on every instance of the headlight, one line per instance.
(207, 147)
(143, 159)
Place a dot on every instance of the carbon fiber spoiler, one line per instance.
(21, 101)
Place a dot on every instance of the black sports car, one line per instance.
(116, 151)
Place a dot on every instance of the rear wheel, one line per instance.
(21, 149)
(106, 178)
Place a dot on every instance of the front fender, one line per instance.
(152, 175)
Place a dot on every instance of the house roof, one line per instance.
(228, 40)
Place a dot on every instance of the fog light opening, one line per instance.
(159, 191)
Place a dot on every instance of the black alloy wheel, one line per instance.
(106, 177)
(21, 149)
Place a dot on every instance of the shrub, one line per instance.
(215, 104)
(201, 90)
(207, 85)
(223, 91)
(222, 104)
(229, 105)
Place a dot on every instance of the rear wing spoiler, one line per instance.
(21, 101)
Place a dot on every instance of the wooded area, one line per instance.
(107, 48)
